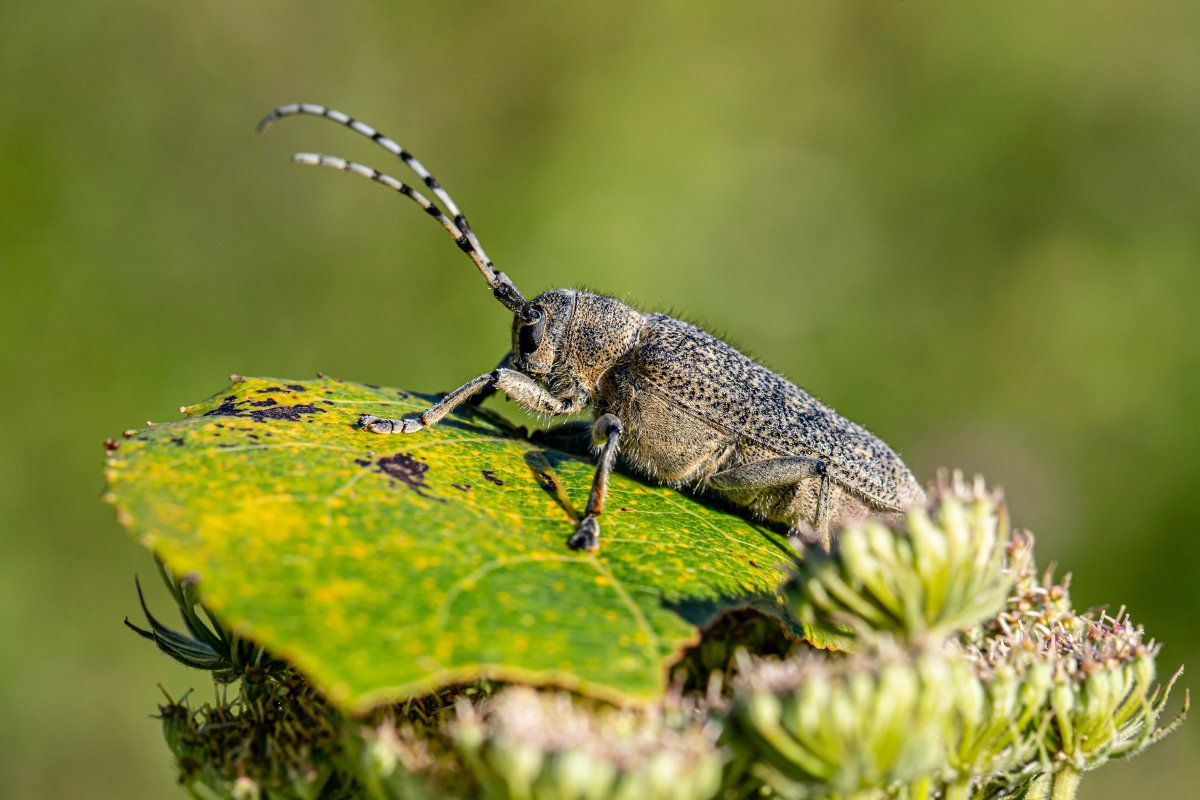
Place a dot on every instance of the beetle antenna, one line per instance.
(458, 227)
(363, 129)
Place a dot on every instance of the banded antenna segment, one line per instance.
(458, 227)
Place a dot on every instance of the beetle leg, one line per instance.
(606, 432)
(775, 472)
(818, 534)
(532, 396)
(434, 413)
(519, 387)
(823, 507)
(768, 473)
(489, 390)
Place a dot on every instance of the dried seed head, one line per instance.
(1077, 689)
(278, 743)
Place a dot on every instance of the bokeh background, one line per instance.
(973, 227)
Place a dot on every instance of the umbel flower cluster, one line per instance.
(961, 672)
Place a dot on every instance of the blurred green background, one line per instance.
(973, 227)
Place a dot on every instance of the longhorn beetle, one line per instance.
(681, 406)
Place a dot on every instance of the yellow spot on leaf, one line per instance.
(336, 590)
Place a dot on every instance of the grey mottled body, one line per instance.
(703, 409)
(680, 406)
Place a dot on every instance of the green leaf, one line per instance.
(384, 566)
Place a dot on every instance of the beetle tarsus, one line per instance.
(586, 536)
(804, 535)
(374, 424)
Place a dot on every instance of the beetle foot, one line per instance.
(374, 424)
(803, 535)
(586, 536)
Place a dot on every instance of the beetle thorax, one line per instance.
(570, 338)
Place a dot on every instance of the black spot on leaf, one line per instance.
(409, 471)
(295, 413)
(292, 413)
(490, 477)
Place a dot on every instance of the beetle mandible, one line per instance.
(681, 406)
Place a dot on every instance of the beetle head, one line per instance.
(570, 338)
(540, 327)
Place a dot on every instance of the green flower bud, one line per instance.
(529, 745)
(176, 720)
(1062, 703)
(819, 727)
(947, 568)
(578, 775)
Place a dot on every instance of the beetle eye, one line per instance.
(531, 333)
(533, 325)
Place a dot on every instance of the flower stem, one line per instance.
(1065, 784)
(957, 791)
(923, 790)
